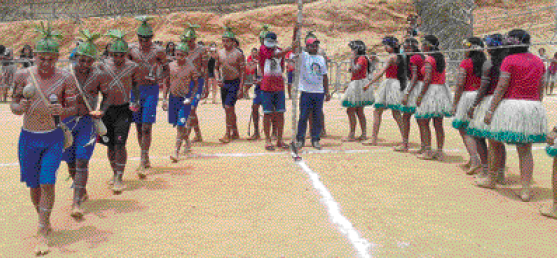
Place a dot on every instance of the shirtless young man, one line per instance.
(182, 73)
(90, 80)
(229, 71)
(199, 56)
(117, 109)
(41, 141)
(8, 70)
(150, 58)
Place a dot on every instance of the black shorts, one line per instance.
(117, 120)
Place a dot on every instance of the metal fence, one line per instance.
(18, 10)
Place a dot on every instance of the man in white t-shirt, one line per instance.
(314, 88)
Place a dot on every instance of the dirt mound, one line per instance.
(335, 22)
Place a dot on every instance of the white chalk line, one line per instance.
(361, 245)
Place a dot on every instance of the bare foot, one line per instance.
(426, 155)
(485, 182)
(401, 148)
(254, 137)
(174, 158)
(197, 138)
(549, 211)
(466, 166)
(224, 139)
(525, 194)
(42, 246)
(349, 138)
(77, 212)
(111, 181)
(140, 172)
(118, 187)
(235, 137)
(363, 137)
(473, 170)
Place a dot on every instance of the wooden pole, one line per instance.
(297, 73)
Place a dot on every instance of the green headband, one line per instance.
(189, 33)
(228, 33)
(88, 47)
(310, 35)
(144, 29)
(118, 45)
(48, 42)
(264, 31)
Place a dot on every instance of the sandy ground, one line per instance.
(238, 200)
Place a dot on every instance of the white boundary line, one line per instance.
(361, 245)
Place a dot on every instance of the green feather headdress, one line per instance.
(189, 32)
(264, 31)
(47, 43)
(144, 29)
(88, 47)
(119, 45)
(310, 35)
(228, 33)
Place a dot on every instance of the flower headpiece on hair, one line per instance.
(492, 42)
(389, 41)
(466, 43)
(512, 41)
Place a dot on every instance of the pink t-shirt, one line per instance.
(290, 64)
(272, 70)
(472, 82)
(526, 70)
(436, 77)
(362, 73)
(418, 61)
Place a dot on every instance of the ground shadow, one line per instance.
(148, 183)
(99, 206)
(208, 144)
(90, 234)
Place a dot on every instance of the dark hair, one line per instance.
(400, 62)
(27, 47)
(235, 40)
(168, 49)
(438, 56)
(521, 37)
(415, 51)
(2, 49)
(497, 55)
(254, 49)
(477, 56)
(200, 43)
(359, 46)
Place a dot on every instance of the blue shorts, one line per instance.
(273, 101)
(178, 113)
(258, 100)
(83, 131)
(40, 155)
(199, 94)
(229, 92)
(290, 77)
(148, 100)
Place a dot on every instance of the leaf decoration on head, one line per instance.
(47, 32)
(116, 34)
(118, 45)
(189, 32)
(193, 26)
(87, 36)
(144, 18)
(264, 30)
(228, 33)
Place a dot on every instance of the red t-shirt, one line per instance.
(272, 70)
(362, 73)
(436, 77)
(392, 72)
(472, 82)
(418, 61)
(526, 70)
(250, 70)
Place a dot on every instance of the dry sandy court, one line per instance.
(238, 200)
